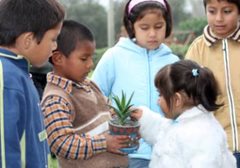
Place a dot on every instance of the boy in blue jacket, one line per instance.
(28, 33)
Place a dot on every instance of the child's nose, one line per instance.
(54, 47)
(152, 32)
(90, 64)
(219, 16)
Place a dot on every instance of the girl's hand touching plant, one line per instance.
(136, 113)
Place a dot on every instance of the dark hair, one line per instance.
(72, 32)
(20, 16)
(138, 12)
(236, 2)
(200, 88)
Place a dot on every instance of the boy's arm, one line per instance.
(62, 139)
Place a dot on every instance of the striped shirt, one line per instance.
(58, 118)
(210, 38)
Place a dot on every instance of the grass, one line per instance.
(53, 162)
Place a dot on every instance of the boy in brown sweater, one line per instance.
(75, 111)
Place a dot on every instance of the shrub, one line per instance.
(195, 25)
(98, 55)
(179, 50)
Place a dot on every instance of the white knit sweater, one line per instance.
(194, 140)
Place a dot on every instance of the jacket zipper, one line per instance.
(149, 81)
(230, 95)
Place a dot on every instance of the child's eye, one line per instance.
(83, 59)
(211, 11)
(144, 28)
(227, 11)
(54, 40)
(158, 27)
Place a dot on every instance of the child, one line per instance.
(75, 111)
(133, 62)
(28, 33)
(189, 136)
(218, 49)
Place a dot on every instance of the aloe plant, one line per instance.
(122, 108)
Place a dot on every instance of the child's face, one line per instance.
(222, 17)
(163, 104)
(79, 63)
(176, 108)
(150, 30)
(39, 53)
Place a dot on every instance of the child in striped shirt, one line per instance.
(75, 111)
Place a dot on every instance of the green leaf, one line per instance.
(123, 106)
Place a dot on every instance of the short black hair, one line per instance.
(236, 2)
(130, 18)
(20, 16)
(72, 32)
(201, 87)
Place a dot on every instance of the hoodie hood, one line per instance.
(129, 44)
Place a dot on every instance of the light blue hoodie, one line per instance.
(131, 68)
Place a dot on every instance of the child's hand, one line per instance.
(115, 142)
(136, 113)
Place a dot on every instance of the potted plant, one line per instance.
(121, 123)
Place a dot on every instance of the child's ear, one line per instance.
(28, 40)
(178, 99)
(25, 41)
(57, 58)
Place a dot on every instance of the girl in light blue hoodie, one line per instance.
(131, 65)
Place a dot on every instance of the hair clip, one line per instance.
(195, 72)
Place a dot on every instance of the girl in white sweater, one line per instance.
(188, 136)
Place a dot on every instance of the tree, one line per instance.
(119, 11)
(199, 24)
(90, 13)
(179, 12)
(197, 8)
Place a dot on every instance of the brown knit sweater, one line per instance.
(90, 116)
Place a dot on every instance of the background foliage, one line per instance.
(94, 15)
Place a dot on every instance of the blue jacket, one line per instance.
(131, 68)
(21, 120)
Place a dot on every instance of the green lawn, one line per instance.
(53, 163)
